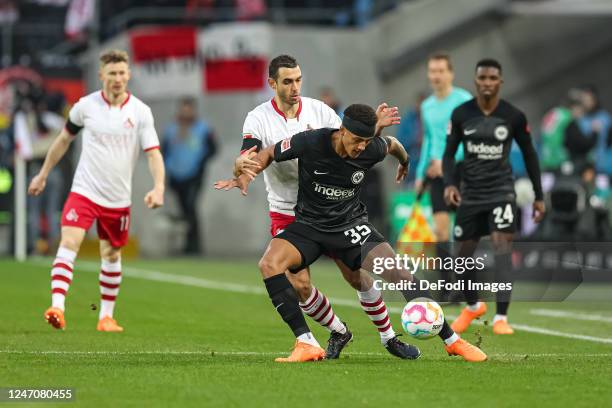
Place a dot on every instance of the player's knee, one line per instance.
(353, 278)
(441, 231)
(70, 243)
(110, 254)
(270, 267)
(441, 234)
(502, 243)
(112, 257)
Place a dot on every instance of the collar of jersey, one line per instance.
(124, 102)
(280, 112)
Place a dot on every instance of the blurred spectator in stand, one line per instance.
(34, 123)
(598, 120)
(552, 136)
(188, 144)
(219, 10)
(8, 12)
(579, 145)
(6, 167)
(363, 10)
(328, 96)
(410, 133)
(248, 10)
(193, 6)
(79, 18)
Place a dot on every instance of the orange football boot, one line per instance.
(468, 351)
(465, 318)
(303, 352)
(55, 317)
(502, 327)
(108, 324)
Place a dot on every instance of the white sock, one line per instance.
(374, 306)
(451, 339)
(110, 279)
(308, 338)
(474, 307)
(317, 306)
(500, 317)
(61, 276)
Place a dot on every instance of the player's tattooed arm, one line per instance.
(397, 150)
(387, 116)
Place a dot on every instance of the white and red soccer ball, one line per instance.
(422, 318)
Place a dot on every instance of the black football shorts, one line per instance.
(477, 220)
(347, 246)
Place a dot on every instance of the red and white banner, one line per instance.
(164, 62)
(79, 17)
(235, 57)
(177, 61)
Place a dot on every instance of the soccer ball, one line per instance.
(422, 318)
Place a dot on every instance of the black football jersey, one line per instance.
(329, 185)
(487, 141)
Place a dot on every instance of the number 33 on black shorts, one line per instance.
(477, 220)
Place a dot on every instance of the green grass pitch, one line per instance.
(203, 333)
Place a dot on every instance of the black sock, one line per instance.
(446, 331)
(285, 301)
(503, 274)
(471, 295)
(443, 252)
(502, 308)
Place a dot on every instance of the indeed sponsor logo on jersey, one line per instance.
(334, 193)
(486, 151)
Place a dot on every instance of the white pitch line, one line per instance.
(556, 333)
(571, 315)
(239, 288)
(271, 353)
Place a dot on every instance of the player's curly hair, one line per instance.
(282, 61)
(113, 56)
(362, 113)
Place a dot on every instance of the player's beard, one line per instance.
(289, 100)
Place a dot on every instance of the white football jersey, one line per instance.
(268, 123)
(112, 139)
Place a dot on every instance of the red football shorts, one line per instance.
(112, 223)
(279, 222)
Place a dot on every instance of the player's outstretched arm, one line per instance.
(387, 116)
(155, 197)
(54, 155)
(263, 159)
(396, 149)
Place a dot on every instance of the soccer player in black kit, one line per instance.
(331, 219)
(487, 125)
